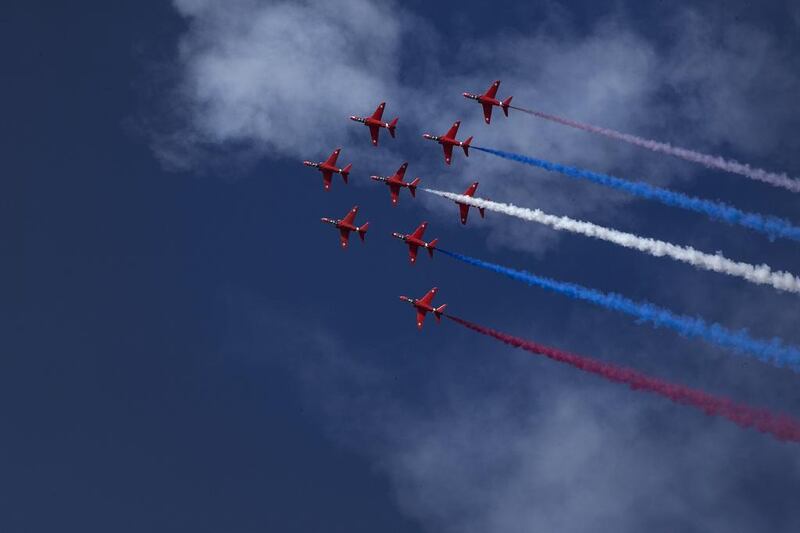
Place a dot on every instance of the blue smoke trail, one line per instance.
(772, 226)
(774, 351)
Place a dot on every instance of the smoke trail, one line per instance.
(773, 351)
(761, 274)
(783, 427)
(711, 161)
(772, 226)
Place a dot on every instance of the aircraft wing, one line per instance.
(402, 170)
(419, 231)
(448, 152)
(453, 130)
(350, 217)
(378, 114)
(344, 236)
(332, 158)
(487, 112)
(374, 132)
(420, 318)
(464, 211)
(412, 252)
(326, 178)
(492, 90)
(394, 189)
(428, 298)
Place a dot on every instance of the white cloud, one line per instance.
(525, 444)
(283, 74)
(279, 79)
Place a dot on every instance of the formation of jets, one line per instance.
(396, 182)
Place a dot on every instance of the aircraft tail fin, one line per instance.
(439, 311)
(362, 231)
(392, 126)
(412, 187)
(432, 246)
(465, 146)
(505, 103)
(346, 171)
(482, 211)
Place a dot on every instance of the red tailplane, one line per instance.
(362, 231)
(505, 105)
(432, 246)
(412, 187)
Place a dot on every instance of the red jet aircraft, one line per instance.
(346, 225)
(488, 101)
(329, 168)
(396, 181)
(375, 123)
(448, 140)
(414, 242)
(423, 306)
(464, 208)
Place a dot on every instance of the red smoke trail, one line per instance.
(783, 427)
(711, 161)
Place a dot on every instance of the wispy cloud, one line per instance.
(278, 79)
(528, 445)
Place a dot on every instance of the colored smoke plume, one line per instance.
(781, 426)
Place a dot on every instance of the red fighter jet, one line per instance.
(375, 123)
(464, 208)
(488, 101)
(423, 306)
(396, 181)
(346, 225)
(448, 140)
(329, 168)
(415, 242)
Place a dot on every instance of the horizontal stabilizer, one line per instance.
(362, 231)
(465, 146)
(346, 171)
(412, 187)
(505, 104)
(432, 246)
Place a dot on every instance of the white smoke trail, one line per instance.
(760, 274)
(711, 161)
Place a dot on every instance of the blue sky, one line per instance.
(186, 348)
